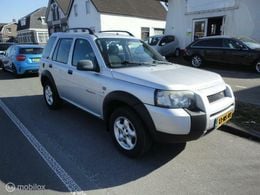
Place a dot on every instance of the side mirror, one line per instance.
(2, 53)
(87, 65)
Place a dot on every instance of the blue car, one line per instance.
(22, 59)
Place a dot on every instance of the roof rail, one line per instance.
(117, 31)
(83, 30)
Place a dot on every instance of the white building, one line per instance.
(191, 19)
(141, 18)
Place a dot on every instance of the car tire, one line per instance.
(128, 132)
(196, 61)
(257, 67)
(14, 70)
(51, 96)
(177, 52)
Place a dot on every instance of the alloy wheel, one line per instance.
(48, 95)
(196, 61)
(125, 133)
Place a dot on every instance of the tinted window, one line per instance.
(62, 50)
(215, 43)
(48, 48)
(209, 43)
(232, 44)
(167, 39)
(83, 51)
(30, 50)
(153, 40)
(4, 47)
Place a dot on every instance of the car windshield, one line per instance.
(154, 40)
(31, 50)
(123, 52)
(252, 44)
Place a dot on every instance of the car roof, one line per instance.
(92, 36)
(217, 37)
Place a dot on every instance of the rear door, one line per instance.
(59, 65)
(213, 50)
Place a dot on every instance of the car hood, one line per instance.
(169, 77)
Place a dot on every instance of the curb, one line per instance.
(245, 132)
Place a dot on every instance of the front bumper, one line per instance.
(190, 127)
(182, 125)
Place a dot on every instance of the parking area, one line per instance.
(220, 163)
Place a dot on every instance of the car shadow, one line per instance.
(81, 145)
(5, 75)
(250, 95)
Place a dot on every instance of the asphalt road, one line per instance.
(219, 163)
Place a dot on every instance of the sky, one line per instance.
(16, 9)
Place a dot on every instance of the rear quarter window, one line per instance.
(48, 47)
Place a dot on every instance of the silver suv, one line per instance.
(141, 97)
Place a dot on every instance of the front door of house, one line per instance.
(200, 28)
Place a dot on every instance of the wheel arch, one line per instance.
(47, 76)
(119, 98)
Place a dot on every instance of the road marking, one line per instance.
(239, 86)
(72, 186)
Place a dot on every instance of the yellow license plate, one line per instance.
(224, 119)
(36, 60)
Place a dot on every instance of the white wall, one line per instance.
(91, 20)
(243, 19)
(131, 24)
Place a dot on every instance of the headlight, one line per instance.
(175, 99)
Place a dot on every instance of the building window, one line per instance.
(75, 10)
(145, 33)
(87, 7)
(23, 22)
(55, 12)
(43, 37)
(158, 31)
(8, 30)
(43, 20)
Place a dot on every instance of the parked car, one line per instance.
(3, 48)
(22, 59)
(223, 49)
(141, 97)
(166, 45)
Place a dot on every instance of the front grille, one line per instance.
(216, 97)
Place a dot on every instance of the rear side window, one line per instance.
(209, 43)
(62, 50)
(30, 51)
(48, 48)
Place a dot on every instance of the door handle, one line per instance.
(50, 65)
(70, 72)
